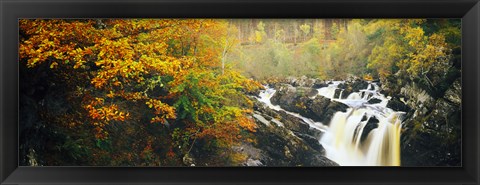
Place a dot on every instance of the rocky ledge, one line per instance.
(284, 140)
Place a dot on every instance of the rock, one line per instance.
(312, 92)
(301, 82)
(284, 96)
(443, 117)
(364, 118)
(257, 105)
(374, 101)
(397, 105)
(293, 123)
(252, 162)
(418, 97)
(287, 152)
(312, 142)
(261, 119)
(309, 82)
(319, 84)
(319, 160)
(433, 138)
(299, 100)
(318, 107)
(358, 85)
(337, 93)
(371, 124)
(454, 93)
(291, 145)
(331, 109)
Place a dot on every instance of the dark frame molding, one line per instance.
(12, 10)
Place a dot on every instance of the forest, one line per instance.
(240, 92)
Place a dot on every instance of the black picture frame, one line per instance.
(12, 10)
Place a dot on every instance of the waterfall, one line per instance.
(265, 96)
(348, 143)
(329, 91)
(368, 134)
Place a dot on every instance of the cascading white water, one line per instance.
(329, 91)
(265, 96)
(342, 140)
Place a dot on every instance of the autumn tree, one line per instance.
(403, 45)
(143, 72)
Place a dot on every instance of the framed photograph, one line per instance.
(239, 92)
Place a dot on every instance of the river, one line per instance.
(367, 134)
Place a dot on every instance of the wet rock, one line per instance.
(293, 123)
(319, 84)
(353, 86)
(299, 100)
(318, 107)
(358, 85)
(371, 124)
(374, 101)
(343, 92)
(331, 109)
(337, 93)
(279, 146)
(364, 118)
(284, 95)
(397, 105)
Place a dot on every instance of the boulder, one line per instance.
(312, 142)
(319, 84)
(293, 123)
(343, 92)
(397, 105)
(331, 109)
(280, 146)
(358, 85)
(371, 124)
(374, 101)
(301, 82)
(318, 107)
(312, 92)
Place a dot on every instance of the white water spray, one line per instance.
(343, 140)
